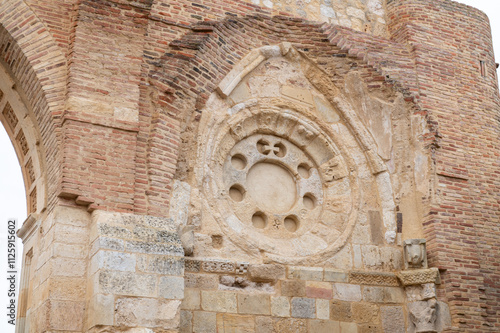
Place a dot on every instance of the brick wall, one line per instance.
(448, 41)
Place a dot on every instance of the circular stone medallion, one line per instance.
(273, 186)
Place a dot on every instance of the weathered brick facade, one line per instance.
(139, 126)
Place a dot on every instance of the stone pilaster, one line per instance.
(136, 273)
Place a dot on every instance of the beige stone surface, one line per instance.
(266, 272)
(254, 304)
(280, 306)
(230, 323)
(324, 326)
(219, 301)
(192, 299)
(204, 322)
(293, 288)
(323, 309)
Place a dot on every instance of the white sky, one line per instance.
(12, 196)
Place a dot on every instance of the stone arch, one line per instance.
(33, 74)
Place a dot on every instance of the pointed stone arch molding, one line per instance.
(36, 71)
(255, 57)
(231, 137)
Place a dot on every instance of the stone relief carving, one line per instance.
(279, 174)
(376, 279)
(423, 315)
(272, 174)
(415, 254)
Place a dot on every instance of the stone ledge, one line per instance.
(419, 276)
(373, 278)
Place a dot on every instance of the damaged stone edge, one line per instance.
(390, 279)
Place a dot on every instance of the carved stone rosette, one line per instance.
(280, 184)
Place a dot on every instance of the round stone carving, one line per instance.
(275, 190)
(278, 185)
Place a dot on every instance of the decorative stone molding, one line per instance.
(373, 278)
(256, 155)
(420, 276)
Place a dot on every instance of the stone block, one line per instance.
(305, 273)
(218, 301)
(324, 326)
(319, 289)
(112, 260)
(346, 327)
(264, 324)
(106, 243)
(204, 322)
(74, 251)
(264, 273)
(347, 292)
(365, 312)
(68, 267)
(420, 292)
(165, 265)
(147, 312)
(227, 322)
(419, 276)
(192, 265)
(392, 318)
(373, 278)
(67, 288)
(171, 287)
(358, 258)
(186, 324)
(112, 231)
(125, 283)
(392, 258)
(290, 325)
(332, 275)
(201, 281)
(303, 307)
(254, 304)
(293, 288)
(101, 310)
(192, 299)
(443, 320)
(218, 266)
(70, 234)
(66, 315)
(394, 295)
(172, 249)
(323, 309)
(280, 306)
(341, 311)
(373, 294)
(370, 328)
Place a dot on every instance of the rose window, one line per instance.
(273, 186)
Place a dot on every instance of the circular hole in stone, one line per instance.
(259, 220)
(304, 170)
(261, 144)
(237, 193)
(280, 150)
(238, 162)
(309, 201)
(291, 223)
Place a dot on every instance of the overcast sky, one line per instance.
(12, 196)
